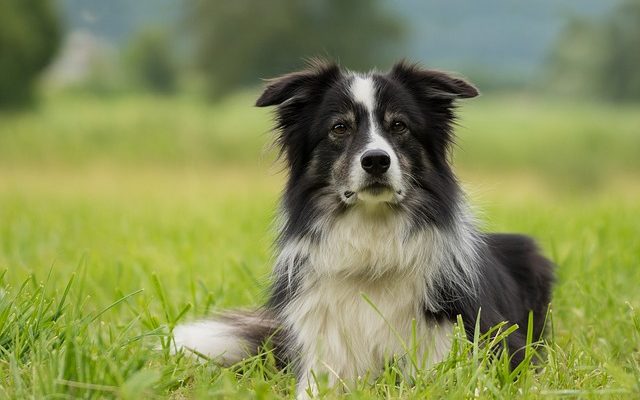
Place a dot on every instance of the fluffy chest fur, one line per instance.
(350, 329)
(361, 300)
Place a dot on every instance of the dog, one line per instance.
(377, 246)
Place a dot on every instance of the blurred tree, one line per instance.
(151, 61)
(620, 75)
(239, 41)
(576, 60)
(600, 58)
(29, 37)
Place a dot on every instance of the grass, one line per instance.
(120, 218)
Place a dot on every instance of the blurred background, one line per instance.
(131, 157)
(172, 82)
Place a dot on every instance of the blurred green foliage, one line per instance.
(29, 37)
(239, 41)
(600, 58)
(576, 145)
(151, 60)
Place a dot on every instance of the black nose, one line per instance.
(375, 162)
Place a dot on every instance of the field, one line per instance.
(121, 217)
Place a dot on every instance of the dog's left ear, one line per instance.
(298, 85)
(433, 84)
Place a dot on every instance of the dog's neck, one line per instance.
(365, 244)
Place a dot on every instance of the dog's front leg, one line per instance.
(308, 382)
(307, 387)
(312, 373)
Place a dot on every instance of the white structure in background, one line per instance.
(82, 57)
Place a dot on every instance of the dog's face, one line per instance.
(366, 138)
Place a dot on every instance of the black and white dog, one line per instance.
(377, 248)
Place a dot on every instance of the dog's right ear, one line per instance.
(298, 85)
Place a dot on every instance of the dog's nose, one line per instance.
(375, 162)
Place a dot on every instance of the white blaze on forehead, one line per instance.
(363, 91)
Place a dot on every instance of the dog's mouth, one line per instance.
(373, 192)
(376, 188)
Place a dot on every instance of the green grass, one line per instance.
(120, 218)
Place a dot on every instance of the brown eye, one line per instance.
(398, 127)
(339, 129)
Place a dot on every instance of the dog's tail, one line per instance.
(228, 338)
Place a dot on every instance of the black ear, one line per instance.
(432, 83)
(297, 84)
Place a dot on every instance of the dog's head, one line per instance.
(367, 139)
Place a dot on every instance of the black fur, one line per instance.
(504, 279)
(515, 278)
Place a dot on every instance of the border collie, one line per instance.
(377, 247)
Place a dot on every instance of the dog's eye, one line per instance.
(339, 129)
(398, 127)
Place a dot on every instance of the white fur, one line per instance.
(366, 280)
(369, 252)
(214, 339)
(361, 297)
(348, 328)
(365, 283)
(363, 92)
